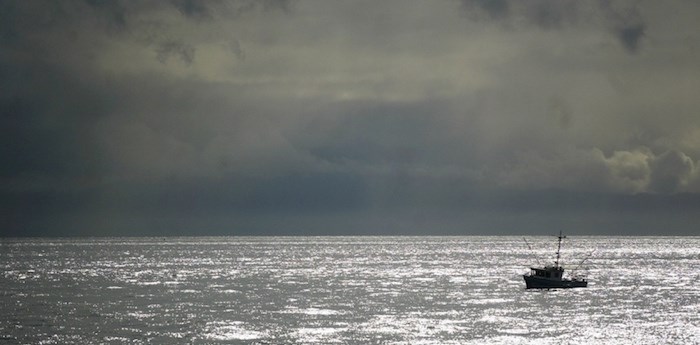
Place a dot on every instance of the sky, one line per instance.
(406, 117)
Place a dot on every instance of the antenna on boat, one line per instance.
(556, 263)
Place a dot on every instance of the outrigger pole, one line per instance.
(584, 260)
(529, 247)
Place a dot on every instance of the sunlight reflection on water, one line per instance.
(350, 290)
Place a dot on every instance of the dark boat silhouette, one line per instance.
(552, 276)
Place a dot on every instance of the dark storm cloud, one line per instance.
(627, 23)
(546, 14)
(622, 17)
(192, 8)
(74, 23)
(669, 171)
(496, 9)
(630, 36)
(52, 96)
(278, 117)
(113, 12)
(205, 9)
(175, 48)
(46, 116)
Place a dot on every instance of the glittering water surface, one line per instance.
(346, 290)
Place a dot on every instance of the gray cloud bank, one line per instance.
(317, 117)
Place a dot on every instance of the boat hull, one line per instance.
(533, 282)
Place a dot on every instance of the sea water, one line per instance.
(346, 290)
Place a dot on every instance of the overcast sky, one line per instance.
(349, 117)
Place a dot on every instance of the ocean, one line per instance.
(346, 290)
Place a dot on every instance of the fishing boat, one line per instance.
(552, 276)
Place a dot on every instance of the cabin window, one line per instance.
(548, 274)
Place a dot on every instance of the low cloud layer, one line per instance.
(297, 117)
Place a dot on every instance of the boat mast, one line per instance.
(556, 263)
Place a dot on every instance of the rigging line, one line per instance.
(530, 248)
(584, 260)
